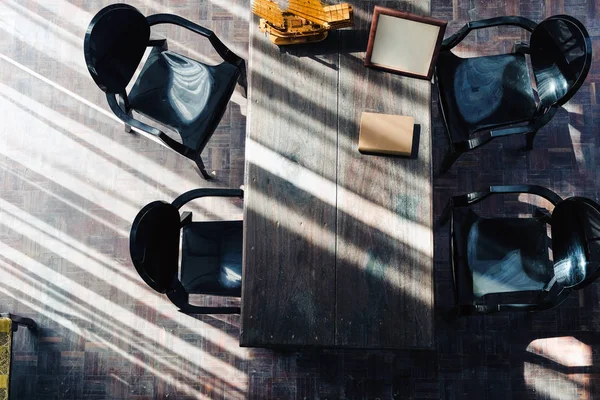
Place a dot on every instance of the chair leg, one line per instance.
(202, 169)
(127, 128)
(529, 140)
(28, 322)
(123, 105)
(449, 159)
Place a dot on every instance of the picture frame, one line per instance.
(404, 43)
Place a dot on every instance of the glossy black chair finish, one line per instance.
(211, 254)
(483, 98)
(503, 264)
(183, 94)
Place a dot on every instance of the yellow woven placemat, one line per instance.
(5, 347)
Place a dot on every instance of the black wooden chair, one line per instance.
(183, 94)
(503, 264)
(211, 253)
(9, 323)
(483, 98)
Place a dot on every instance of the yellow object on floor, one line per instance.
(5, 348)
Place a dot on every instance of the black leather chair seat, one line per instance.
(484, 92)
(211, 260)
(183, 94)
(500, 255)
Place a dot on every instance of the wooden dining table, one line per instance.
(338, 245)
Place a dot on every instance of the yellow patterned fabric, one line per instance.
(5, 347)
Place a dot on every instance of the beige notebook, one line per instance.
(384, 133)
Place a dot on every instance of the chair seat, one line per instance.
(483, 92)
(211, 260)
(183, 94)
(499, 255)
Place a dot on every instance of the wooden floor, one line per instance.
(71, 182)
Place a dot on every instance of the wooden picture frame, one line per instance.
(396, 34)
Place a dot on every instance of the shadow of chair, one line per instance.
(482, 98)
(504, 264)
(9, 323)
(178, 92)
(211, 252)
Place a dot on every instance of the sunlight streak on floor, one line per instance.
(108, 147)
(61, 169)
(88, 335)
(67, 202)
(63, 9)
(575, 134)
(532, 199)
(232, 8)
(565, 350)
(59, 303)
(81, 255)
(151, 169)
(42, 36)
(552, 384)
(81, 18)
(143, 327)
(56, 30)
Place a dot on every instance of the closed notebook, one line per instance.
(385, 133)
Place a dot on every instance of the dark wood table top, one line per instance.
(338, 246)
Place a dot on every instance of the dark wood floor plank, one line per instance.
(384, 273)
(289, 266)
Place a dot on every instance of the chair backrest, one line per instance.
(154, 245)
(576, 242)
(114, 45)
(561, 55)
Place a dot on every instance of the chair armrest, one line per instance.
(455, 39)
(223, 50)
(523, 307)
(123, 116)
(521, 48)
(489, 309)
(483, 138)
(158, 135)
(539, 119)
(516, 130)
(197, 193)
(157, 41)
(544, 305)
(543, 300)
(180, 298)
(475, 197)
